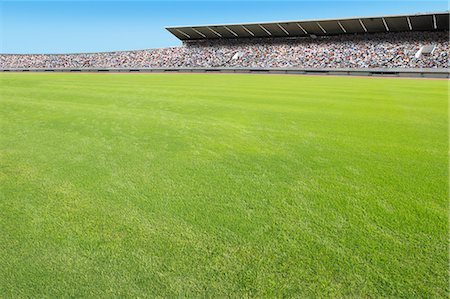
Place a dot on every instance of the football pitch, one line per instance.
(221, 185)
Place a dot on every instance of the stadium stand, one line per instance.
(358, 45)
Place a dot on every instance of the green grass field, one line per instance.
(144, 185)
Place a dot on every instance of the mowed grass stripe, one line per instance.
(135, 185)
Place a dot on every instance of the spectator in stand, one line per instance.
(384, 50)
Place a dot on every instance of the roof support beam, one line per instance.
(265, 30)
(214, 31)
(362, 25)
(409, 24)
(301, 27)
(282, 28)
(198, 32)
(385, 24)
(434, 22)
(321, 28)
(231, 31)
(246, 29)
(342, 27)
(184, 33)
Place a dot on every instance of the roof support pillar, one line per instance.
(248, 30)
(198, 32)
(231, 31)
(409, 23)
(301, 27)
(362, 25)
(265, 30)
(434, 22)
(282, 28)
(214, 31)
(184, 33)
(321, 28)
(342, 27)
(385, 24)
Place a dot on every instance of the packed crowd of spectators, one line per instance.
(385, 50)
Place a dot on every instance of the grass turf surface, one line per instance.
(222, 185)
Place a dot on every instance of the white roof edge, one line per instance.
(315, 20)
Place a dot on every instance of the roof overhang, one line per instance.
(430, 21)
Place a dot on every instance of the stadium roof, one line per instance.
(320, 27)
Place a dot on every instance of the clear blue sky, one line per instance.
(86, 26)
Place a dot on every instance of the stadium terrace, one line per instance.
(410, 44)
